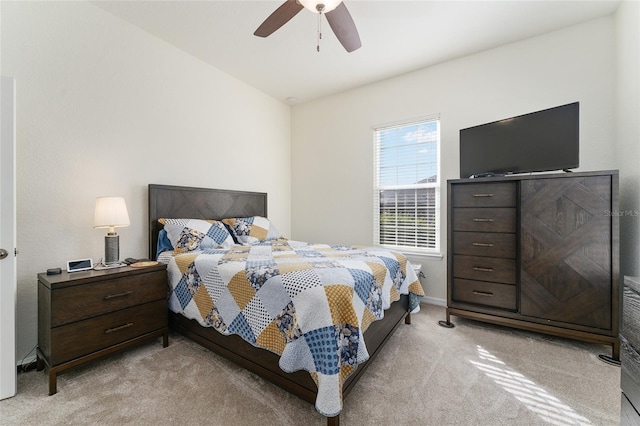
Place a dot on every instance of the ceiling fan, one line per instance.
(336, 12)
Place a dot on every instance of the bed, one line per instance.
(282, 350)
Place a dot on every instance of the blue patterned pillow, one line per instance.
(163, 243)
(252, 230)
(196, 234)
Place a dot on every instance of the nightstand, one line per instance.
(83, 316)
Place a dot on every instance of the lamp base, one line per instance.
(111, 248)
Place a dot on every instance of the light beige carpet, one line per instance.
(473, 374)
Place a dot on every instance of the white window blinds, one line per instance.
(407, 185)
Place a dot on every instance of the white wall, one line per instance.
(628, 133)
(332, 154)
(105, 109)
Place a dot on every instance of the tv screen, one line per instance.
(536, 142)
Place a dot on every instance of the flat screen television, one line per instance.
(540, 141)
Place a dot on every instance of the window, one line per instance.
(407, 186)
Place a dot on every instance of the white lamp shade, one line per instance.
(111, 212)
(329, 5)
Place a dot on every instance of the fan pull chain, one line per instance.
(320, 9)
(319, 31)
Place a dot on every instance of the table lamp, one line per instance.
(111, 212)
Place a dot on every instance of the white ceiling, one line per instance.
(397, 37)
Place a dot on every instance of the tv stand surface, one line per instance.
(485, 175)
(516, 175)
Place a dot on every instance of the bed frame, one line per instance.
(201, 203)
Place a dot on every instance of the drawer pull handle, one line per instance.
(113, 296)
(483, 244)
(480, 268)
(478, 219)
(482, 293)
(483, 195)
(121, 327)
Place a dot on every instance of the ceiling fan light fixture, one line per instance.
(327, 5)
(335, 12)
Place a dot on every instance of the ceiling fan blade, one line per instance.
(344, 28)
(278, 18)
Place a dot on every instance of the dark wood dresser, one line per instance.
(85, 315)
(630, 352)
(536, 252)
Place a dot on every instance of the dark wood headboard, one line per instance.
(167, 201)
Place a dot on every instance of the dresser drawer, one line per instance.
(484, 220)
(76, 303)
(492, 269)
(630, 371)
(84, 337)
(501, 194)
(631, 316)
(484, 244)
(628, 414)
(482, 293)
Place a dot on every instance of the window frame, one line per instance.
(436, 185)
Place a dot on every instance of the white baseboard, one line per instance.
(434, 301)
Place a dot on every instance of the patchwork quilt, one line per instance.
(308, 303)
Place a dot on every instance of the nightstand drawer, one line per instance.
(84, 337)
(484, 220)
(492, 269)
(501, 194)
(76, 303)
(489, 244)
(482, 293)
